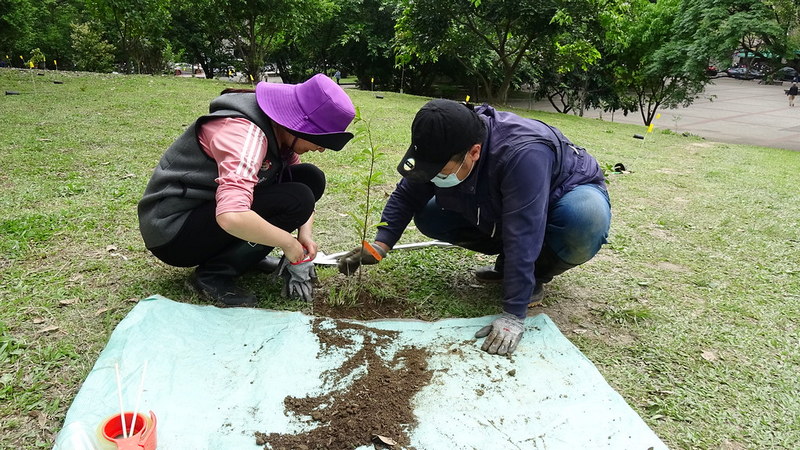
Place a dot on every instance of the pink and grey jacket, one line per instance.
(187, 176)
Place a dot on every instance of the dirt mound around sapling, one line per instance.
(371, 395)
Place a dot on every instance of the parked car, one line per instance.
(785, 74)
(712, 71)
(187, 69)
(743, 73)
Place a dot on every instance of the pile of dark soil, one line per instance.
(377, 402)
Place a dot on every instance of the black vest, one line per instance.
(184, 178)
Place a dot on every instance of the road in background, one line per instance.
(730, 110)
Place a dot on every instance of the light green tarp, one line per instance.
(215, 376)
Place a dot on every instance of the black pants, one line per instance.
(287, 205)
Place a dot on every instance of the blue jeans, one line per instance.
(577, 226)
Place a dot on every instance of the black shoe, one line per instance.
(488, 274)
(223, 290)
(537, 296)
(268, 265)
(491, 274)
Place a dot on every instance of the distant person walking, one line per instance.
(337, 76)
(792, 93)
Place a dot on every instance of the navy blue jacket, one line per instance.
(525, 166)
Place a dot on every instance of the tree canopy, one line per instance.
(629, 55)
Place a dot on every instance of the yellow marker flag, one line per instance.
(251, 78)
(650, 128)
(467, 100)
(20, 57)
(372, 80)
(31, 64)
(55, 62)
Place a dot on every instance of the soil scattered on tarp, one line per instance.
(370, 393)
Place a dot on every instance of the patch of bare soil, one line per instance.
(375, 406)
(576, 315)
(367, 307)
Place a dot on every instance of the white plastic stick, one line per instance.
(138, 399)
(119, 396)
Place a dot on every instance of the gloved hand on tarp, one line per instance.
(504, 334)
(364, 254)
(298, 279)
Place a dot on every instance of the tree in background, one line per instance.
(564, 68)
(255, 27)
(713, 29)
(53, 26)
(613, 54)
(787, 14)
(137, 31)
(649, 65)
(490, 38)
(365, 42)
(17, 21)
(317, 49)
(90, 52)
(196, 32)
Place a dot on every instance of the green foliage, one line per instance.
(258, 27)
(18, 233)
(17, 22)
(648, 64)
(709, 30)
(489, 38)
(10, 349)
(136, 29)
(195, 33)
(702, 257)
(36, 57)
(358, 40)
(90, 52)
(366, 208)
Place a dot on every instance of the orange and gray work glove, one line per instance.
(298, 279)
(504, 334)
(364, 254)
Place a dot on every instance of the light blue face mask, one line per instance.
(448, 181)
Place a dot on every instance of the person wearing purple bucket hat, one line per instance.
(231, 188)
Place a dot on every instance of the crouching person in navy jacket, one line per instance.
(498, 184)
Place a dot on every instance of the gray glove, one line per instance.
(504, 333)
(298, 279)
(349, 263)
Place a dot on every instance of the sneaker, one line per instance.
(222, 290)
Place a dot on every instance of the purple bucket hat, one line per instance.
(317, 110)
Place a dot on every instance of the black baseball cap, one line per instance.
(441, 129)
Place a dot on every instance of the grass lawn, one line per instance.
(692, 311)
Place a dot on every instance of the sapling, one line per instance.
(367, 208)
(676, 118)
(37, 57)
